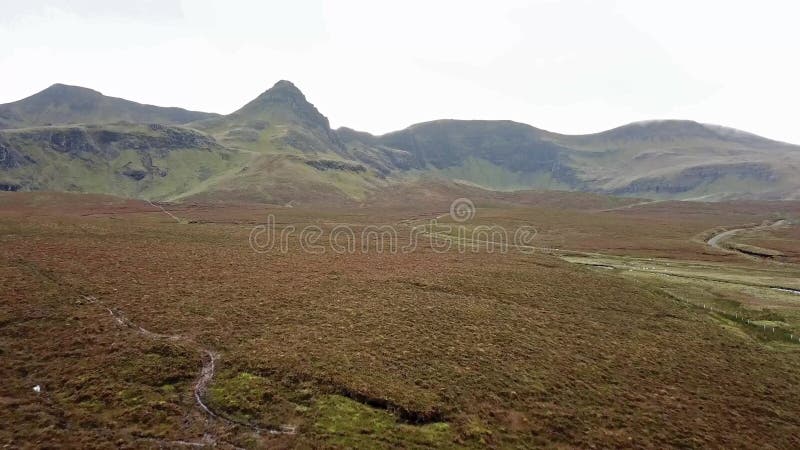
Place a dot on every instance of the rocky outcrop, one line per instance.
(326, 164)
(9, 187)
(105, 140)
(694, 177)
(11, 158)
(118, 153)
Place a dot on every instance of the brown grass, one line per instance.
(508, 350)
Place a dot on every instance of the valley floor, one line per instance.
(171, 325)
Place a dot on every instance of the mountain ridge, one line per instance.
(280, 147)
(289, 91)
(63, 104)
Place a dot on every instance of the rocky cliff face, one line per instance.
(120, 159)
(326, 164)
(104, 140)
(11, 157)
(697, 177)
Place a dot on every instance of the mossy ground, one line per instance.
(345, 423)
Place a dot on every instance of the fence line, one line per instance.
(777, 331)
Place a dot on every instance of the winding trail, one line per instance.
(207, 371)
(566, 254)
(718, 239)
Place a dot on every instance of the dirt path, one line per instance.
(715, 240)
(568, 255)
(632, 205)
(719, 238)
(210, 358)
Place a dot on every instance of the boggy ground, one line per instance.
(366, 349)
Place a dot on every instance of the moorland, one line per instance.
(150, 324)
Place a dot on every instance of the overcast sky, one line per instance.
(568, 66)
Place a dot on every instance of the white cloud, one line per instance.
(572, 66)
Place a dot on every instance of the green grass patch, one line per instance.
(242, 396)
(343, 422)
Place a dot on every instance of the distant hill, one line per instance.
(686, 160)
(665, 132)
(655, 159)
(61, 104)
(279, 148)
(495, 154)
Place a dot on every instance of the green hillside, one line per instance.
(145, 161)
(657, 159)
(279, 148)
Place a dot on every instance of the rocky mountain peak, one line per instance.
(285, 102)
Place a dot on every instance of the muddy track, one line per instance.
(207, 371)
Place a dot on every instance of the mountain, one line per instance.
(61, 104)
(278, 119)
(293, 154)
(654, 159)
(665, 132)
(277, 148)
(129, 160)
(496, 154)
(280, 148)
(685, 160)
